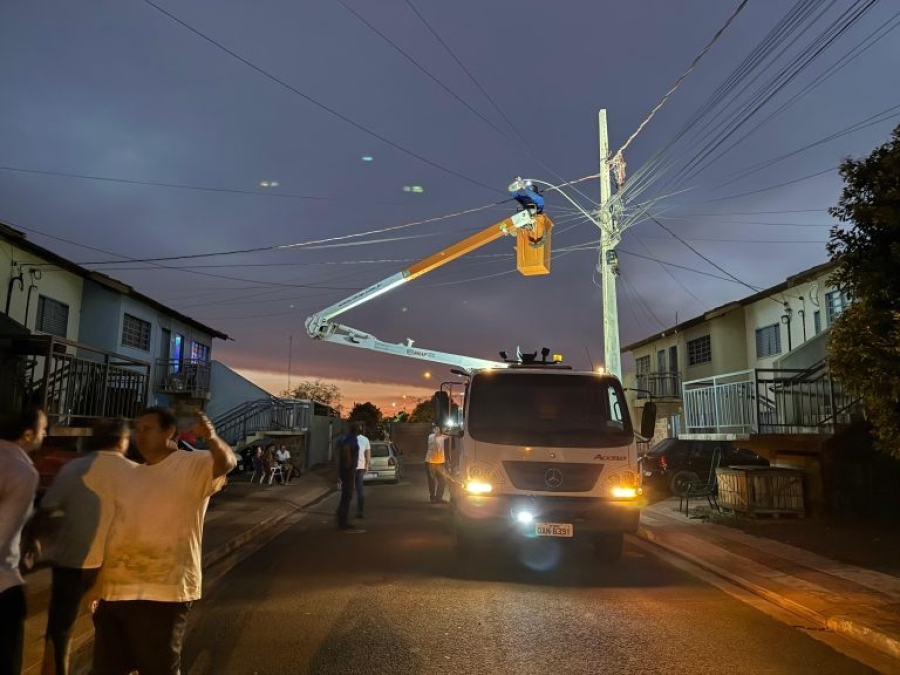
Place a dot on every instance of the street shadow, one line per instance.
(406, 536)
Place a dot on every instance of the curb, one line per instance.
(842, 625)
(223, 551)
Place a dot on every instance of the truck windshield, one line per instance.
(548, 409)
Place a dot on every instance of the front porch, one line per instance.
(73, 383)
(756, 402)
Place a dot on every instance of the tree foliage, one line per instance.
(367, 415)
(423, 412)
(316, 390)
(864, 347)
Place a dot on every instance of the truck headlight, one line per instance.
(479, 487)
(624, 492)
(525, 517)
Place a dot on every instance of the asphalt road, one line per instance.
(397, 598)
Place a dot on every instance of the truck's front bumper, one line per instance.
(488, 516)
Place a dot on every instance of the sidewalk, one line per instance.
(236, 516)
(859, 603)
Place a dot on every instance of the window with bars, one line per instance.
(835, 304)
(52, 316)
(136, 333)
(699, 350)
(642, 365)
(768, 341)
(199, 352)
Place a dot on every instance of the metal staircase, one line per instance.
(249, 421)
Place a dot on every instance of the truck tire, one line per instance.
(608, 547)
(681, 481)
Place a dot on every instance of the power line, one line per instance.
(422, 68)
(626, 282)
(592, 247)
(858, 50)
(700, 255)
(311, 243)
(873, 120)
(169, 267)
(526, 143)
(316, 103)
(181, 186)
(748, 222)
(771, 187)
(683, 76)
(672, 276)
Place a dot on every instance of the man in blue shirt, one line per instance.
(348, 460)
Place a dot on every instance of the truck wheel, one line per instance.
(681, 481)
(608, 547)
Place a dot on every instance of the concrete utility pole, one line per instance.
(608, 264)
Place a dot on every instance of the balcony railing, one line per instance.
(269, 414)
(75, 383)
(763, 401)
(659, 385)
(174, 376)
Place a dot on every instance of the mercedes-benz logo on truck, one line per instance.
(553, 478)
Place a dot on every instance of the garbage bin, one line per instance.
(754, 490)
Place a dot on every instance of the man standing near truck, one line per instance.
(435, 464)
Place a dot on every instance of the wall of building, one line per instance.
(104, 311)
(100, 306)
(804, 300)
(728, 346)
(323, 431)
(228, 390)
(55, 283)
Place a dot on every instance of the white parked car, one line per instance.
(386, 463)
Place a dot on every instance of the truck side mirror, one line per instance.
(441, 408)
(648, 420)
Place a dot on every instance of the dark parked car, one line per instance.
(676, 462)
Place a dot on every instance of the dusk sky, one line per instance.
(127, 131)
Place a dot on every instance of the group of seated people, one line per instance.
(270, 462)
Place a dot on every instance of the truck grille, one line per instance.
(553, 476)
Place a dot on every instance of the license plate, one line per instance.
(371, 474)
(554, 529)
(648, 473)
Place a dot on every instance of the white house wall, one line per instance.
(729, 353)
(55, 283)
(768, 311)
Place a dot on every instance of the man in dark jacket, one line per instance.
(348, 459)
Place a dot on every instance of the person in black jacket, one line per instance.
(348, 460)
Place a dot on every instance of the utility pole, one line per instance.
(290, 356)
(608, 264)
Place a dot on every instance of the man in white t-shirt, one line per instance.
(365, 463)
(20, 433)
(83, 494)
(152, 565)
(283, 455)
(435, 459)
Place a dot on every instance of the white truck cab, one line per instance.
(543, 451)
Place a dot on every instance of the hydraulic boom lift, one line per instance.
(530, 226)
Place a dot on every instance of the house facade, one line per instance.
(82, 345)
(751, 371)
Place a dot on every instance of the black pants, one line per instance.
(139, 635)
(69, 586)
(348, 478)
(436, 480)
(12, 629)
(359, 481)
